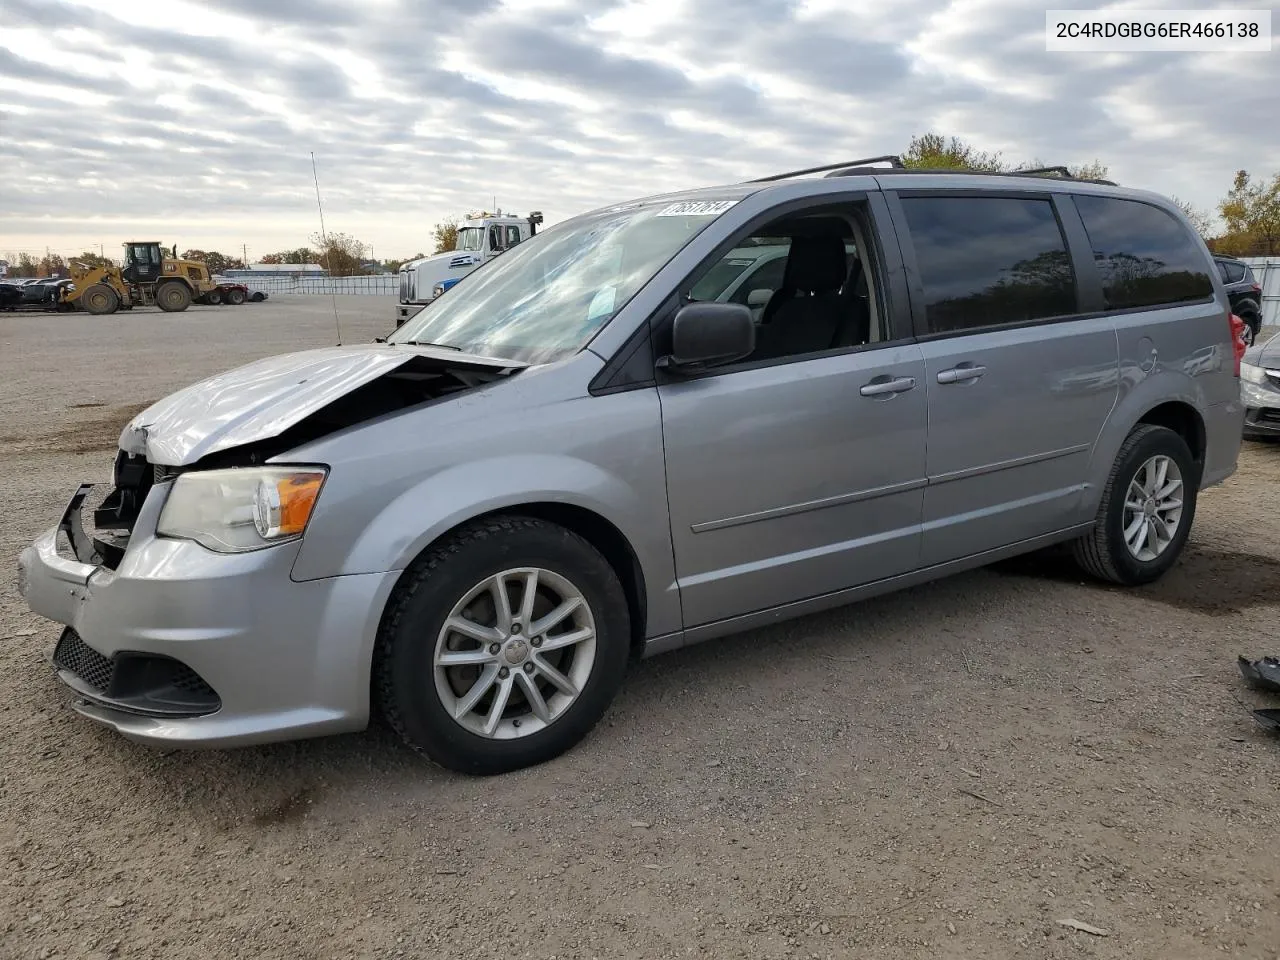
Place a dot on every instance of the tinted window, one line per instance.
(1222, 271)
(989, 260)
(1235, 272)
(1146, 257)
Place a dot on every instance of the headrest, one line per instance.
(816, 264)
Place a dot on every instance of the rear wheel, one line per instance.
(1147, 508)
(235, 297)
(213, 298)
(173, 297)
(100, 299)
(503, 646)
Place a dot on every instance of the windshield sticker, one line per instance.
(696, 208)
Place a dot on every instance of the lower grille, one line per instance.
(76, 656)
(137, 682)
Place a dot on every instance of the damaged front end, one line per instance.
(249, 415)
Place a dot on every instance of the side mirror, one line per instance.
(759, 298)
(709, 335)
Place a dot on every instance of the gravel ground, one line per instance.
(950, 771)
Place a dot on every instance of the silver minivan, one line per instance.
(586, 454)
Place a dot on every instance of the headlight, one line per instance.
(1253, 374)
(242, 509)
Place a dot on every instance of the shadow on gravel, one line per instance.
(1203, 581)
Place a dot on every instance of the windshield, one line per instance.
(470, 238)
(546, 297)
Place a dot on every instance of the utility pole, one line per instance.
(244, 249)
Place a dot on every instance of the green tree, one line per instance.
(91, 259)
(1200, 219)
(933, 151)
(445, 234)
(216, 262)
(300, 255)
(51, 265)
(24, 266)
(340, 254)
(1251, 212)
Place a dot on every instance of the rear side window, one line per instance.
(1235, 272)
(1147, 258)
(989, 261)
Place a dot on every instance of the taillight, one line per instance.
(1256, 288)
(1238, 345)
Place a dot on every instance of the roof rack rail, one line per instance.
(892, 159)
(1060, 170)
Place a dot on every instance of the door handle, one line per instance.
(880, 388)
(961, 374)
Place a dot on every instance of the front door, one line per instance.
(800, 471)
(1019, 382)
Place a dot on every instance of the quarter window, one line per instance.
(1147, 258)
(989, 261)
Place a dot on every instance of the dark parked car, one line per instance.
(1244, 292)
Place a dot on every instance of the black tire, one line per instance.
(1252, 317)
(100, 299)
(257, 296)
(213, 298)
(173, 296)
(235, 297)
(404, 677)
(1103, 552)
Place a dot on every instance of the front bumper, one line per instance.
(1262, 409)
(282, 659)
(1261, 423)
(407, 311)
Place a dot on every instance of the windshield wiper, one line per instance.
(424, 343)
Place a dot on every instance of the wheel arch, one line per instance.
(1152, 403)
(586, 523)
(592, 526)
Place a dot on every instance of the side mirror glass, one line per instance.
(709, 335)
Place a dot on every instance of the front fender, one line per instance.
(431, 508)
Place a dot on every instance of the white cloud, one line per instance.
(196, 119)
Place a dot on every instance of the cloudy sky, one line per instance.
(193, 122)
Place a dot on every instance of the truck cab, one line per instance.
(479, 240)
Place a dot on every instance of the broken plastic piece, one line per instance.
(1264, 673)
(1268, 719)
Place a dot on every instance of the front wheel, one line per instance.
(503, 646)
(1146, 511)
(100, 299)
(173, 297)
(235, 297)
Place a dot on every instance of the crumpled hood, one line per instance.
(263, 399)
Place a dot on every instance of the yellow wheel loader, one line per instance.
(149, 276)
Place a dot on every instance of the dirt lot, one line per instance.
(947, 772)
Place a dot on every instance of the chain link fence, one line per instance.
(378, 286)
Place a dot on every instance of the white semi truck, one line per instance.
(421, 281)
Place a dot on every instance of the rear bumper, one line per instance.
(1222, 436)
(278, 659)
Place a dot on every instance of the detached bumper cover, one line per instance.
(257, 656)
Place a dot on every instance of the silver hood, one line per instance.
(261, 400)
